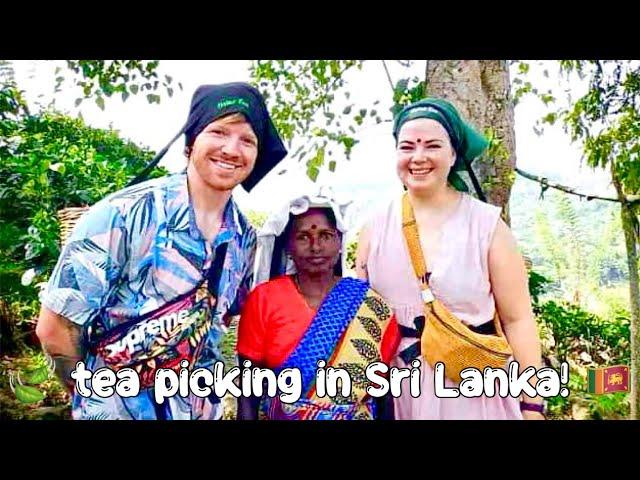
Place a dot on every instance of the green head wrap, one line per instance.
(466, 141)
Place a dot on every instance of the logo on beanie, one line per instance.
(424, 110)
(232, 102)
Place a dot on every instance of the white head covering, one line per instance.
(270, 233)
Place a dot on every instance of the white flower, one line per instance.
(28, 276)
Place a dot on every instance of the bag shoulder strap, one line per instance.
(412, 237)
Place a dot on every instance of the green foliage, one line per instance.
(584, 340)
(537, 286)
(522, 87)
(405, 92)
(607, 262)
(256, 219)
(25, 390)
(581, 405)
(12, 103)
(50, 162)
(28, 394)
(98, 79)
(25, 393)
(351, 254)
(300, 95)
(583, 253)
(574, 328)
(605, 119)
(36, 376)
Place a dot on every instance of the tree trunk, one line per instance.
(480, 91)
(629, 222)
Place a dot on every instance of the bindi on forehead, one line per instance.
(428, 140)
(314, 227)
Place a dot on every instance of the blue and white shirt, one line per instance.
(132, 253)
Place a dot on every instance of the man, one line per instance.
(150, 272)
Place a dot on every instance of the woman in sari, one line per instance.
(305, 311)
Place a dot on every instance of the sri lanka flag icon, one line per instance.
(609, 379)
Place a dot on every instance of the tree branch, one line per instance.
(631, 199)
(384, 64)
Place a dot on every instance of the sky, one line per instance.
(373, 158)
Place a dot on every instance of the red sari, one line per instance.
(276, 316)
(352, 328)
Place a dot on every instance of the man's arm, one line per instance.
(88, 268)
(60, 339)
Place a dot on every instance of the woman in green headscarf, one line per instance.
(435, 245)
